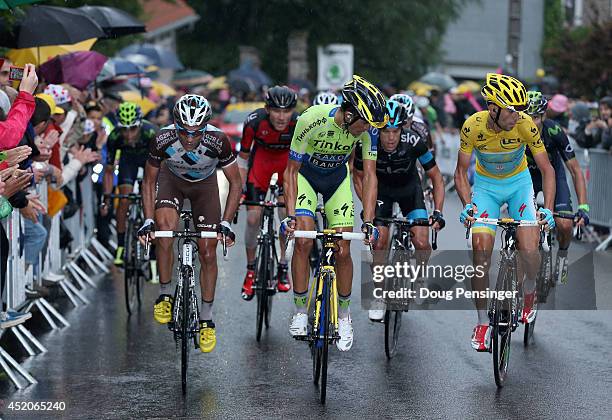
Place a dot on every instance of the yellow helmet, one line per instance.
(505, 91)
(368, 101)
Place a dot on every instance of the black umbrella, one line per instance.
(114, 22)
(161, 57)
(50, 25)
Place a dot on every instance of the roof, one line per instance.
(162, 15)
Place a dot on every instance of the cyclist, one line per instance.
(130, 141)
(398, 150)
(325, 98)
(499, 136)
(559, 151)
(263, 151)
(413, 122)
(183, 161)
(324, 139)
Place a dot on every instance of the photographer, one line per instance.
(12, 130)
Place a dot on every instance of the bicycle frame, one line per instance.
(326, 276)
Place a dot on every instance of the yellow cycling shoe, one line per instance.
(162, 311)
(208, 338)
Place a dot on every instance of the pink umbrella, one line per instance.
(78, 69)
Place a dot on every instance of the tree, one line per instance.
(394, 41)
(582, 60)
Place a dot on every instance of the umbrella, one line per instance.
(113, 21)
(249, 74)
(218, 83)
(11, 4)
(50, 25)
(467, 86)
(421, 89)
(145, 104)
(160, 56)
(78, 68)
(32, 55)
(116, 67)
(141, 60)
(163, 89)
(444, 81)
(191, 78)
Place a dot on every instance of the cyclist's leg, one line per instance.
(384, 208)
(521, 206)
(412, 203)
(305, 208)
(488, 197)
(125, 181)
(339, 209)
(563, 204)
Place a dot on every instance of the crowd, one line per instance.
(54, 132)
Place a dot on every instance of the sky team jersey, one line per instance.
(214, 148)
(500, 155)
(321, 145)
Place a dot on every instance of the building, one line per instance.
(164, 18)
(492, 34)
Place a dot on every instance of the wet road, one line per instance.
(107, 365)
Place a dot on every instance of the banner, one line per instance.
(335, 66)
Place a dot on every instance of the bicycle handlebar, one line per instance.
(183, 234)
(262, 203)
(571, 217)
(128, 196)
(313, 234)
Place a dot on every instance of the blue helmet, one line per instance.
(405, 100)
(397, 114)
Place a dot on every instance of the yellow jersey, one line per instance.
(500, 155)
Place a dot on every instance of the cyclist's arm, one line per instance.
(438, 187)
(290, 185)
(148, 190)
(235, 190)
(369, 190)
(358, 182)
(549, 186)
(248, 134)
(578, 178)
(243, 165)
(462, 184)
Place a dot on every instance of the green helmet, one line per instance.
(536, 103)
(129, 114)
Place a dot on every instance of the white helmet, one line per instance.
(325, 98)
(421, 101)
(405, 100)
(192, 110)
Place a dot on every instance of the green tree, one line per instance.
(394, 41)
(582, 61)
(553, 29)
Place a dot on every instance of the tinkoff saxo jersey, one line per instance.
(500, 155)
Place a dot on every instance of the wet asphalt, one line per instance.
(109, 365)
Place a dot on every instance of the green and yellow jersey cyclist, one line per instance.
(499, 137)
(130, 140)
(560, 152)
(323, 140)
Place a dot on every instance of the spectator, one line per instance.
(601, 127)
(12, 130)
(558, 108)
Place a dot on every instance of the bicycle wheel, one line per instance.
(130, 274)
(185, 328)
(501, 333)
(261, 282)
(139, 270)
(270, 294)
(325, 324)
(393, 322)
(315, 350)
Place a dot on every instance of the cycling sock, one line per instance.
(165, 288)
(153, 265)
(251, 265)
(343, 306)
(483, 317)
(206, 311)
(300, 300)
(121, 239)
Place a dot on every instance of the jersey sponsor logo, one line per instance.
(509, 143)
(569, 148)
(252, 116)
(212, 140)
(522, 209)
(480, 137)
(318, 122)
(466, 130)
(553, 131)
(331, 133)
(326, 161)
(481, 147)
(409, 138)
(332, 145)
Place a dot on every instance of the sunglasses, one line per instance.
(130, 128)
(190, 133)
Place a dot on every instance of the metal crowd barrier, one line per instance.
(595, 164)
(73, 271)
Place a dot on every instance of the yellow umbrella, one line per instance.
(162, 89)
(423, 88)
(468, 86)
(145, 104)
(217, 83)
(21, 57)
